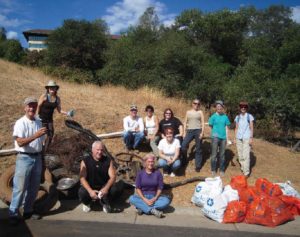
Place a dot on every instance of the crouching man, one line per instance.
(97, 178)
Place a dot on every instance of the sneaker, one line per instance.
(156, 213)
(86, 208)
(105, 206)
(222, 173)
(197, 169)
(139, 212)
(32, 216)
(14, 220)
(213, 173)
(172, 175)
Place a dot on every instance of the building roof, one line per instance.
(41, 32)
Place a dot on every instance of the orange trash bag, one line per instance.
(238, 182)
(248, 195)
(293, 204)
(235, 212)
(259, 213)
(264, 186)
(279, 211)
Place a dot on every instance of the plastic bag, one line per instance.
(215, 207)
(201, 194)
(230, 194)
(248, 195)
(293, 204)
(288, 190)
(259, 213)
(266, 187)
(235, 212)
(239, 181)
(210, 188)
(279, 211)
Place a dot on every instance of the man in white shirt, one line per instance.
(28, 136)
(133, 129)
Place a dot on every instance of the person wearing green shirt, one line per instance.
(219, 123)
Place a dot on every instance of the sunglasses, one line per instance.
(243, 107)
(195, 103)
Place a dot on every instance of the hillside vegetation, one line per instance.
(101, 110)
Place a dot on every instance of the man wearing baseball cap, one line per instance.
(133, 129)
(28, 136)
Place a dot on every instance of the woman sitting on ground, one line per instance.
(149, 185)
(151, 128)
(169, 152)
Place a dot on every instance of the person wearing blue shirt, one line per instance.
(244, 136)
(219, 123)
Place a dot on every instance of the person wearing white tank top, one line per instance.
(194, 129)
(151, 129)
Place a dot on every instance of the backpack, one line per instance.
(239, 116)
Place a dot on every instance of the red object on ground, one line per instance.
(264, 186)
(248, 195)
(293, 203)
(280, 212)
(259, 213)
(235, 212)
(238, 182)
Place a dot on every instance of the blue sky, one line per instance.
(20, 15)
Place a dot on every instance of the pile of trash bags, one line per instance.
(265, 203)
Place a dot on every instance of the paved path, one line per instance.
(68, 218)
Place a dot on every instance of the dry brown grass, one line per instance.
(101, 110)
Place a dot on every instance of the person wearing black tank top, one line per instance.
(48, 102)
(97, 178)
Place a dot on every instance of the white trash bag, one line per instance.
(288, 190)
(229, 194)
(215, 207)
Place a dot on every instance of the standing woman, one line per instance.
(194, 129)
(151, 128)
(219, 123)
(244, 136)
(48, 102)
(149, 185)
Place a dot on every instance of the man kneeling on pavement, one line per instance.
(97, 178)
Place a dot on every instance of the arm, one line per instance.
(162, 155)
(59, 107)
(184, 125)
(141, 125)
(125, 125)
(156, 125)
(177, 153)
(84, 182)
(112, 179)
(147, 201)
(23, 141)
(202, 125)
(40, 102)
(251, 132)
(235, 130)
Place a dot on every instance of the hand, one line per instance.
(251, 141)
(104, 191)
(152, 201)
(170, 160)
(42, 131)
(201, 135)
(93, 194)
(234, 141)
(149, 202)
(137, 129)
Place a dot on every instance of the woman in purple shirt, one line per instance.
(149, 185)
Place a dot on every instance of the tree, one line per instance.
(13, 50)
(78, 44)
(2, 34)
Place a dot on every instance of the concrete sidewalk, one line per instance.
(71, 210)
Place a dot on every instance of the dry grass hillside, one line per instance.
(101, 110)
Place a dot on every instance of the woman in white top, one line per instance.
(151, 128)
(169, 151)
(194, 129)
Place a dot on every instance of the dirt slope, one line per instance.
(101, 110)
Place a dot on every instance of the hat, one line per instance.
(219, 102)
(51, 83)
(133, 107)
(29, 100)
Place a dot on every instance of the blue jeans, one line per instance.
(161, 203)
(190, 135)
(26, 183)
(133, 139)
(215, 143)
(169, 168)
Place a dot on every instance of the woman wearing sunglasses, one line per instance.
(244, 136)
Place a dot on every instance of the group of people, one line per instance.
(168, 138)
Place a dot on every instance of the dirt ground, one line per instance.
(101, 110)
